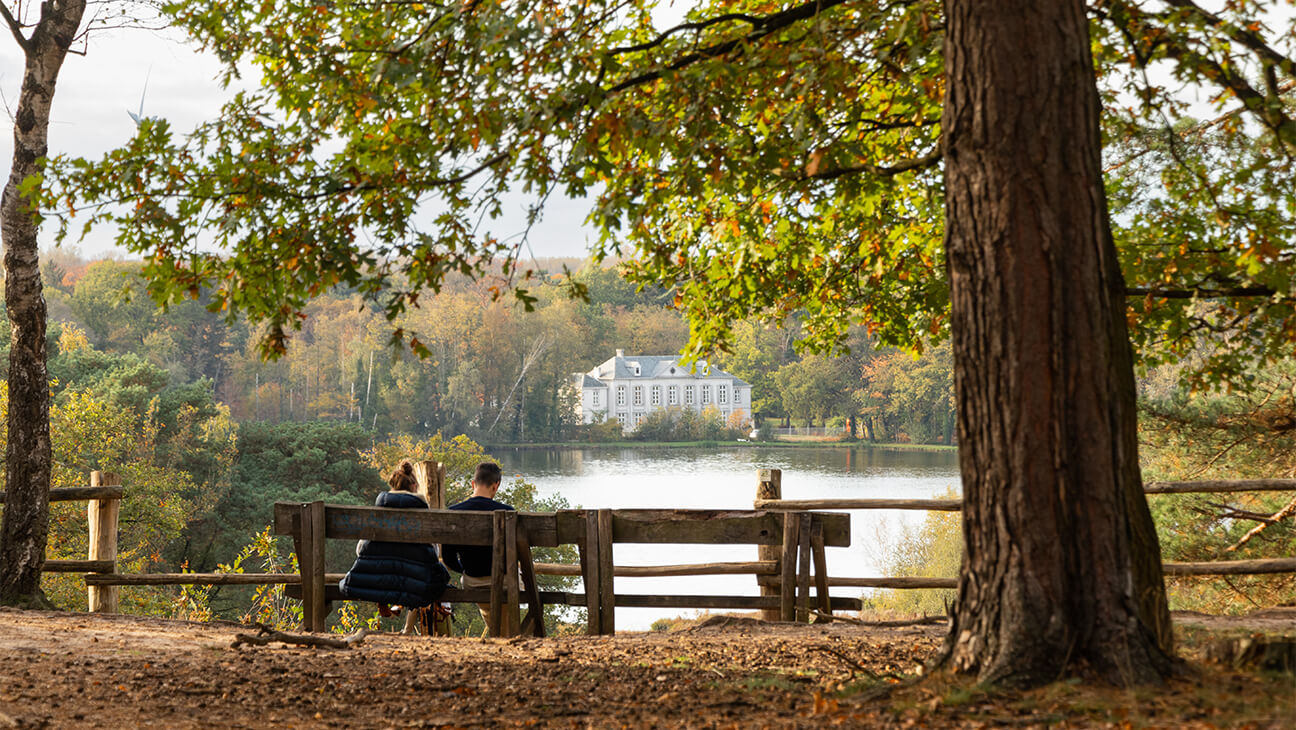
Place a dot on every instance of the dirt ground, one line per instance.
(62, 670)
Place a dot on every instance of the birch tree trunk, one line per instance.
(25, 526)
(1062, 571)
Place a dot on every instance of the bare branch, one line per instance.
(1281, 514)
(15, 27)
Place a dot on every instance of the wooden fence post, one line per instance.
(311, 562)
(787, 566)
(769, 485)
(589, 556)
(607, 592)
(101, 516)
(430, 476)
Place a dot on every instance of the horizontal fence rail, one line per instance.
(759, 567)
(1233, 485)
(798, 505)
(954, 505)
(73, 494)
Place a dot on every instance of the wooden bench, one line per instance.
(511, 535)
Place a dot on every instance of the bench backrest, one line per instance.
(436, 526)
(549, 529)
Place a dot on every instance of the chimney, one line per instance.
(620, 353)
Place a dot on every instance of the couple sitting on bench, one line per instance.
(410, 575)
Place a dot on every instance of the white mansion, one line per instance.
(629, 388)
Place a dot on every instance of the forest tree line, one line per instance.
(489, 369)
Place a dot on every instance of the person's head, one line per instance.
(402, 480)
(486, 478)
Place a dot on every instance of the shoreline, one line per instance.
(489, 447)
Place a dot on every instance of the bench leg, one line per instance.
(533, 623)
(821, 572)
(494, 626)
(803, 569)
(512, 594)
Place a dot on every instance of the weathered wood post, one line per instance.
(607, 592)
(769, 485)
(512, 594)
(589, 557)
(803, 568)
(101, 516)
(430, 476)
(311, 563)
(787, 566)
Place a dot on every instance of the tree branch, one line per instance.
(881, 170)
(1200, 292)
(753, 20)
(16, 28)
(1241, 35)
(1281, 514)
(762, 26)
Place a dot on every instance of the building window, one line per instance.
(737, 396)
(672, 395)
(656, 395)
(621, 395)
(722, 394)
(621, 418)
(706, 394)
(688, 395)
(638, 395)
(596, 399)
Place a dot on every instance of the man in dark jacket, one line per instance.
(474, 561)
(396, 573)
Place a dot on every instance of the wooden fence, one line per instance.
(105, 493)
(104, 496)
(769, 496)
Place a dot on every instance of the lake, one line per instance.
(725, 478)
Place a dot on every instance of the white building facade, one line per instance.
(628, 388)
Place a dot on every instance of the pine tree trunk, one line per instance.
(25, 527)
(1062, 570)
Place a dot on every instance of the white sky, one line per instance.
(95, 91)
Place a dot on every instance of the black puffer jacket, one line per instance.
(396, 573)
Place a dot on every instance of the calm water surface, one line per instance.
(725, 478)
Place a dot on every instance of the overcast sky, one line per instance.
(95, 91)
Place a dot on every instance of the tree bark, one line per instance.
(25, 526)
(1062, 571)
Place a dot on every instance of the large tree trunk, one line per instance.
(27, 454)
(1062, 570)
